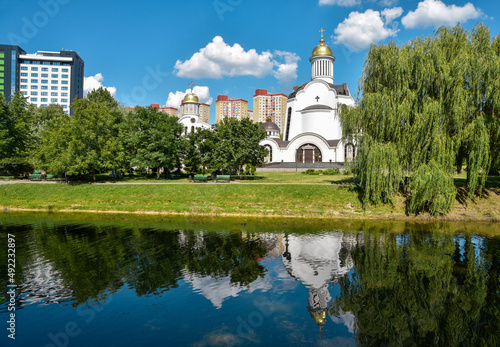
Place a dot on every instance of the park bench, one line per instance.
(50, 176)
(226, 178)
(35, 176)
(200, 178)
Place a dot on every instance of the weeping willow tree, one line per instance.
(428, 108)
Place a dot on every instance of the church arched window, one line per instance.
(288, 123)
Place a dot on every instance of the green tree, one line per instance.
(16, 143)
(426, 107)
(53, 153)
(89, 141)
(236, 143)
(206, 138)
(154, 139)
(191, 157)
(198, 150)
(42, 117)
(4, 128)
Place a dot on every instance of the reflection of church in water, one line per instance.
(316, 260)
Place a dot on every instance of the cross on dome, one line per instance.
(322, 41)
(191, 84)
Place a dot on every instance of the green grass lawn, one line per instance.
(290, 199)
(322, 199)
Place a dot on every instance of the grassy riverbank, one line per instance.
(274, 200)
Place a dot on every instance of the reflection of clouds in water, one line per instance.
(43, 284)
(220, 337)
(315, 260)
(346, 318)
(219, 289)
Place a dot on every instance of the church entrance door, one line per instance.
(308, 155)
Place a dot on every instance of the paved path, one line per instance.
(153, 183)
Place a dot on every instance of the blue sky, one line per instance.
(147, 52)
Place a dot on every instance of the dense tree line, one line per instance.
(422, 288)
(100, 136)
(95, 261)
(428, 108)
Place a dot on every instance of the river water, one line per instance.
(152, 281)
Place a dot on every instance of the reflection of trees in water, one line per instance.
(224, 254)
(417, 288)
(93, 262)
(424, 289)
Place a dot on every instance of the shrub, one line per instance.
(332, 171)
(312, 172)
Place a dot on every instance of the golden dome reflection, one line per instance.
(319, 317)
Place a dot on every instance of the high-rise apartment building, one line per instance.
(171, 111)
(205, 113)
(44, 77)
(226, 107)
(269, 107)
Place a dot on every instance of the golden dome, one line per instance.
(191, 97)
(319, 317)
(322, 49)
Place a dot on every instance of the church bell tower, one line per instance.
(322, 61)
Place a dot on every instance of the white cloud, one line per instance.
(218, 59)
(94, 82)
(434, 13)
(386, 3)
(203, 93)
(391, 13)
(286, 73)
(345, 3)
(359, 30)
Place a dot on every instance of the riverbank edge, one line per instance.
(395, 216)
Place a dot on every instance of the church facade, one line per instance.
(312, 132)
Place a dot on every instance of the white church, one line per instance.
(190, 113)
(313, 133)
